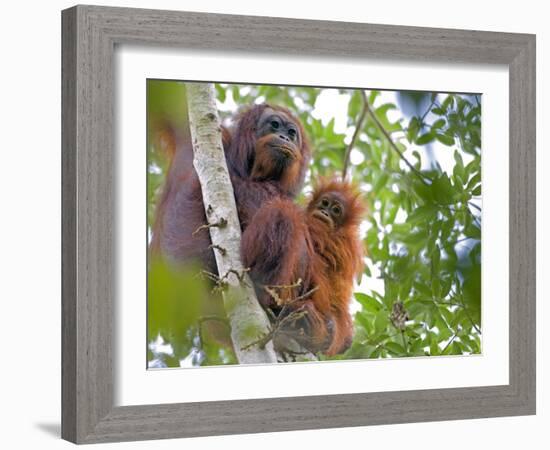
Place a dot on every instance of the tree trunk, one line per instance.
(247, 319)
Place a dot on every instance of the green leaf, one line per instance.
(443, 190)
(422, 190)
(474, 181)
(354, 105)
(416, 309)
(445, 139)
(395, 348)
(434, 348)
(365, 322)
(367, 351)
(417, 347)
(448, 102)
(413, 129)
(425, 138)
(367, 271)
(439, 123)
(422, 213)
(472, 292)
(390, 292)
(418, 158)
(436, 286)
(381, 322)
(400, 267)
(381, 182)
(372, 96)
(381, 114)
(436, 258)
(473, 231)
(458, 169)
(220, 92)
(236, 93)
(368, 302)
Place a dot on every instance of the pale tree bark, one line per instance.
(247, 319)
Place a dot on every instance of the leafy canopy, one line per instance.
(417, 158)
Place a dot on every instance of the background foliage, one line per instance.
(417, 158)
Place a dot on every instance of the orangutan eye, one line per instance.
(325, 203)
(336, 210)
(292, 133)
(275, 125)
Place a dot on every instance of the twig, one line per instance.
(280, 321)
(221, 283)
(460, 299)
(262, 341)
(477, 100)
(285, 286)
(442, 303)
(220, 224)
(474, 217)
(426, 112)
(474, 205)
(307, 294)
(402, 130)
(210, 275)
(358, 128)
(292, 354)
(286, 303)
(222, 250)
(449, 343)
(239, 274)
(272, 290)
(469, 317)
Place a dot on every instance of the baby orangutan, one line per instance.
(333, 217)
(323, 250)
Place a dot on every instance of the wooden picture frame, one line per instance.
(90, 34)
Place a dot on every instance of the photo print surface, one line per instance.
(360, 212)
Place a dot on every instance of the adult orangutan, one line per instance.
(319, 246)
(267, 154)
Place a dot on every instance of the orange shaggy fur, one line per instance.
(338, 259)
(287, 243)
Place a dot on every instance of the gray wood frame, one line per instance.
(90, 34)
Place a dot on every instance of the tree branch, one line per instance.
(392, 144)
(450, 342)
(473, 205)
(358, 128)
(247, 319)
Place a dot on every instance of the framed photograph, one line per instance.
(245, 200)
